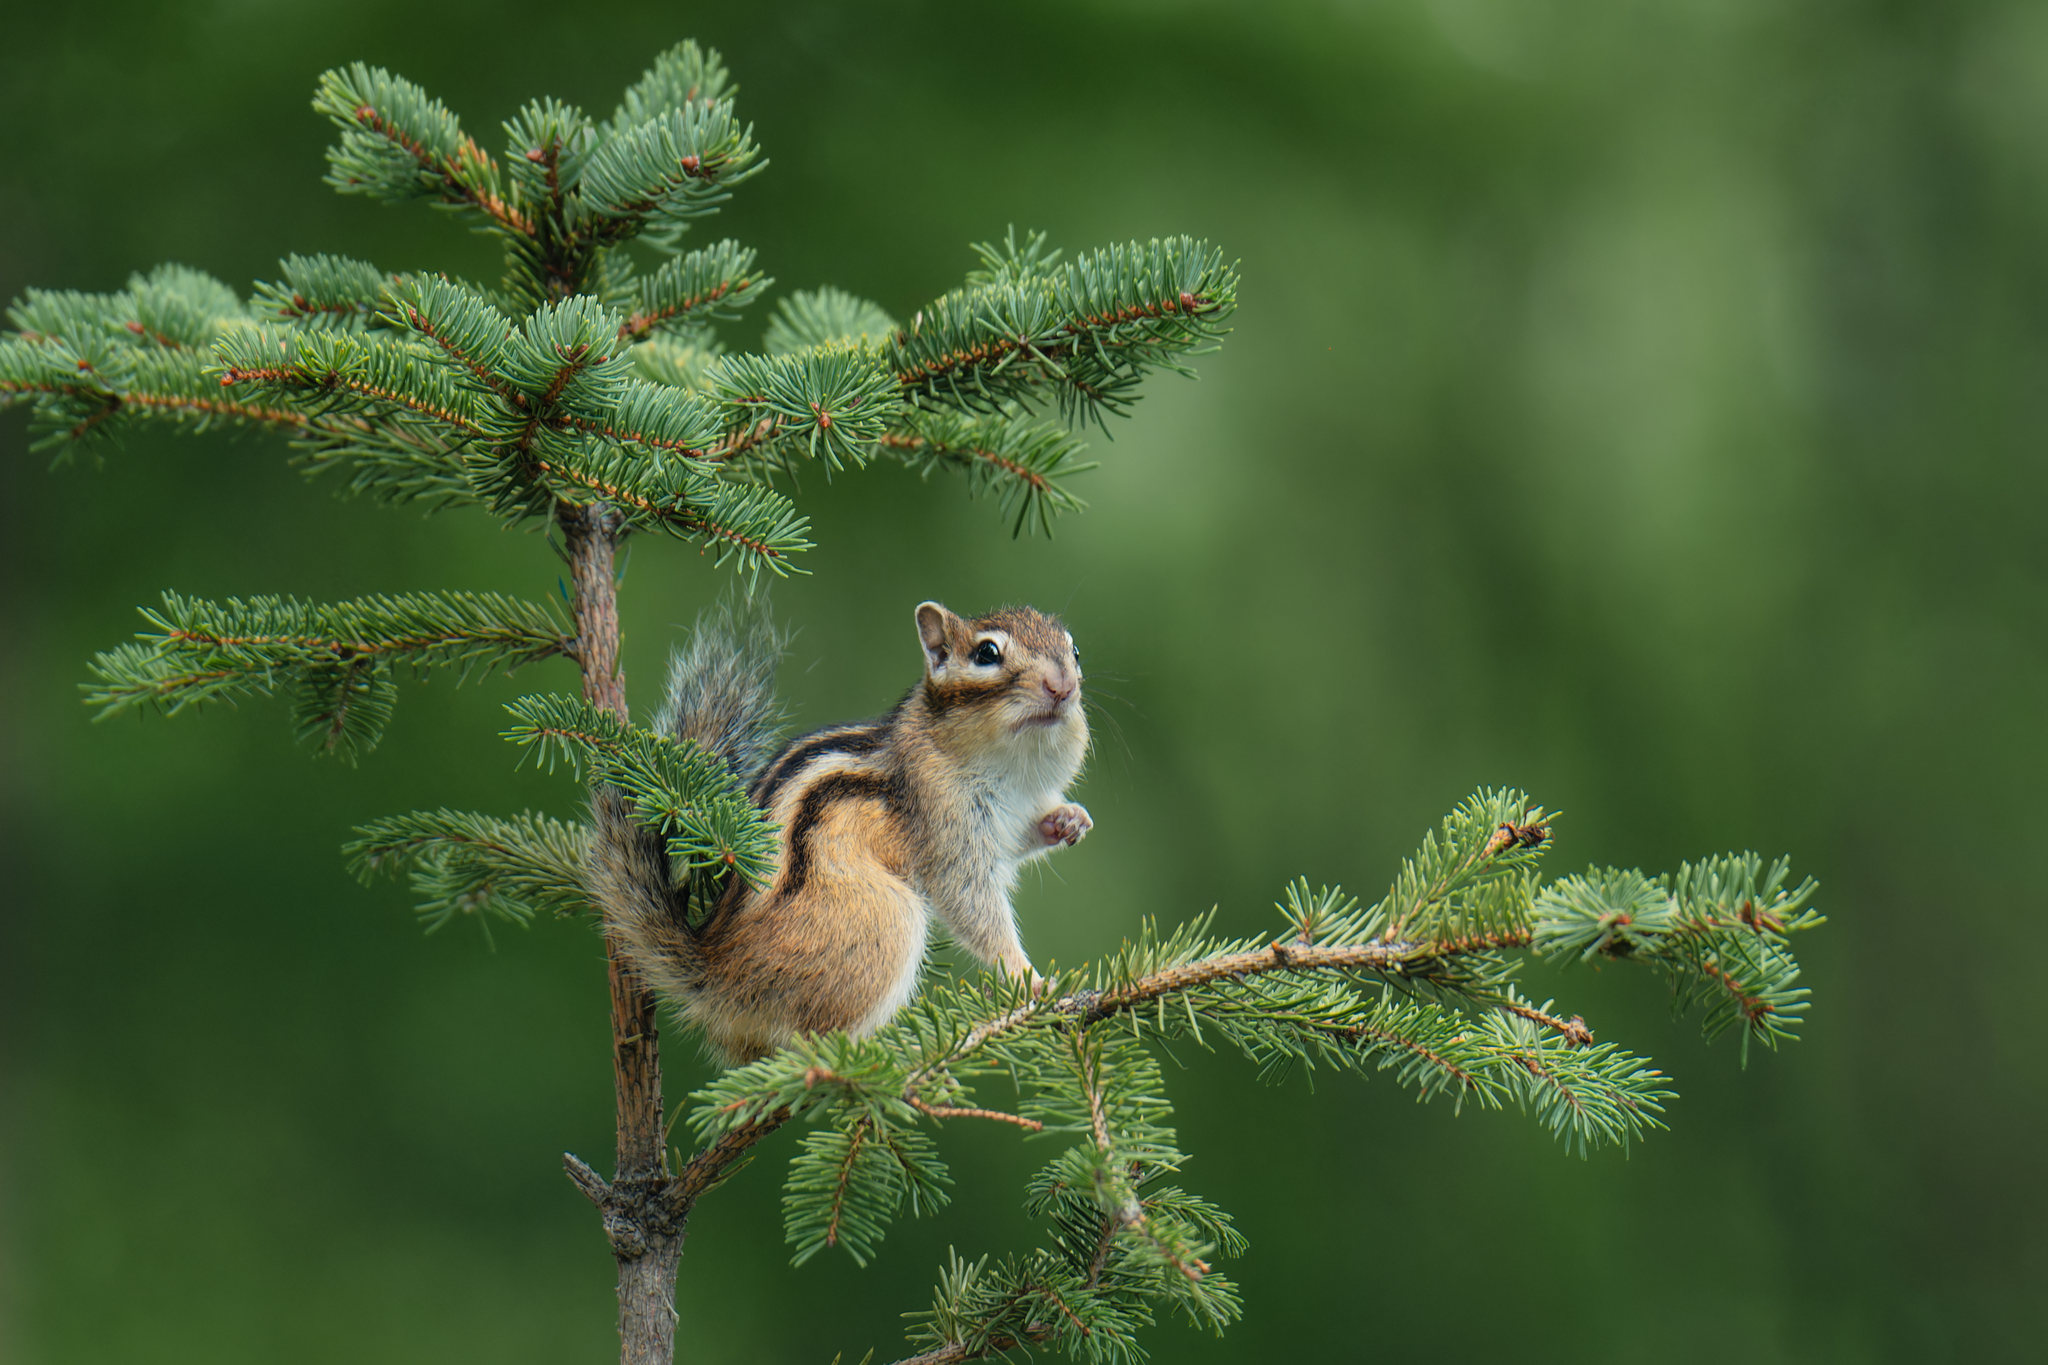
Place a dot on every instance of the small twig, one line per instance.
(717, 1160)
(967, 455)
(594, 1186)
(856, 1140)
(1098, 1118)
(1000, 1345)
(1089, 1006)
(954, 1351)
(948, 1111)
(1574, 1029)
(1111, 1226)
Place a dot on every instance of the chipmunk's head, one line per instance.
(1010, 676)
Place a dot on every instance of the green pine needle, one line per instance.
(464, 864)
(681, 792)
(336, 659)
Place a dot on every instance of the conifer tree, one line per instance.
(589, 391)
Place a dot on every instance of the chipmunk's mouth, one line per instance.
(1052, 717)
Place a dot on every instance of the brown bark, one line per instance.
(640, 1221)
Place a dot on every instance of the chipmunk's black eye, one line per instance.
(986, 653)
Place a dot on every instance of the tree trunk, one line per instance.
(645, 1238)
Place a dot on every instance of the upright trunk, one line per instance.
(647, 1244)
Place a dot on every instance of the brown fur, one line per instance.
(923, 813)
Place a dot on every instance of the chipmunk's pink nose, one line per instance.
(1059, 689)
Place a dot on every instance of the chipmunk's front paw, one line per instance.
(1065, 825)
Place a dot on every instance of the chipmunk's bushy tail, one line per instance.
(721, 687)
(721, 696)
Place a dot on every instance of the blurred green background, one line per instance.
(1640, 404)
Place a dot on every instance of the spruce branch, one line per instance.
(1018, 461)
(1419, 987)
(399, 143)
(1080, 335)
(390, 461)
(684, 363)
(664, 419)
(464, 864)
(679, 791)
(172, 306)
(849, 1179)
(684, 75)
(563, 354)
(755, 529)
(343, 707)
(78, 400)
(1011, 261)
(1588, 1094)
(824, 317)
(560, 419)
(829, 404)
(325, 291)
(92, 364)
(382, 378)
(713, 282)
(652, 178)
(336, 658)
(1719, 928)
(547, 144)
(465, 330)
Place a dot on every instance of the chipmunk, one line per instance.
(925, 813)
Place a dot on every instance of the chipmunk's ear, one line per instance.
(935, 627)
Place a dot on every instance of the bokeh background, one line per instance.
(1639, 404)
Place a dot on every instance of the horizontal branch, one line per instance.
(1277, 957)
(336, 659)
(467, 864)
(85, 399)
(710, 282)
(376, 376)
(1083, 333)
(1023, 462)
(949, 1111)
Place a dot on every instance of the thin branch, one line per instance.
(948, 1111)
(1111, 1226)
(1090, 1006)
(463, 358)
(846, 1165)
(114, 400)
(573, 364)
(903, 440)
(694, 522)
(1380, 956)
(1187, 304)
(954, 1351)
(750, 437)
(1356, 1034)
(639, 325)
(606, 429)
(1574, 1029)
(595, 1187)
(451, 169)
(711, 1165)
(1098, 1119)
(333, 380)
(1752, 1007)
(1563, 1088)
(363, 648)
